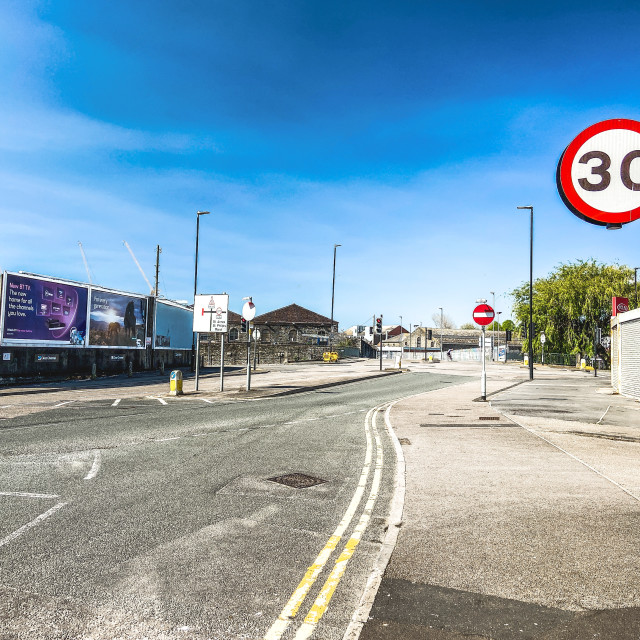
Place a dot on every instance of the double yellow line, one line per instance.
(321, 603)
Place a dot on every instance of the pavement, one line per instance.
(513, 518)
(520, 513)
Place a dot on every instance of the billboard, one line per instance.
(40, 311)
(117, 320)
(173, 327)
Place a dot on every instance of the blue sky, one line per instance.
(406, 132)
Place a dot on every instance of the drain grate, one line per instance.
(488, 417)
(297, 480)
(404, 441)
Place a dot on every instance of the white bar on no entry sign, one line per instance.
(483, 314)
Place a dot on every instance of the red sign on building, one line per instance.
(619, 305)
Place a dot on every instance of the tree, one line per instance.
(469, 325)
(447, 321)
(570, 303)
(503, 326)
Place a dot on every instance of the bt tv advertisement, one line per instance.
(117, 320)
(44, 311)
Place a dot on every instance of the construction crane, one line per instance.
(86, 264)
(151, 290)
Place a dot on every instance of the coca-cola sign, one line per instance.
(619, 305)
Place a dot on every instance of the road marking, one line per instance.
(206, 400)
(24, 494)
(160, 400)
(166, 439)
(33, 523)
(291, 608)
(116, 402)
(635, 497)
(603, 415)
(63, 403)
(326, 593)
(95, 467)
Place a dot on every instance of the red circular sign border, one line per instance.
(484, 307)
(565, 184)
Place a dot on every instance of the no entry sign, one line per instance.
(598, 174)
(483, 315)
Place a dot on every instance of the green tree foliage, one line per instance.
(503, 326)
(570, 302)
(469, 325)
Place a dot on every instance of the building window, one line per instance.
(293, 335)
(233, 335)
(417, 343)
(265, 335)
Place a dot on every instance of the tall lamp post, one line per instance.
(530, 332)
(498, 344)
(401, 341)
(195, 343)
(635, 283)
(333, 290)
(493, 304)
(441, 326)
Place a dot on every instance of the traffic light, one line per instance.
(429, 334)
(378, 325)
(508, 335)
(243, 325)
(523, 329)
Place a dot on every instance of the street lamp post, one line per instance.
(493, 304)
(441, 326)
(635, 283)
(195, 342)
(530, 332)
(401, 345)
(498, 343)
(333, 289)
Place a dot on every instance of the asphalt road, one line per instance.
(144, 519)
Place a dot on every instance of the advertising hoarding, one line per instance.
(173, 326)
(39, 310)
(117, 320)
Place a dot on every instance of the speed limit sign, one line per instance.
(598, 174)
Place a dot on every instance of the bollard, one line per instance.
(162, 368)
(130, 369)
(175, 384)
(93, 371)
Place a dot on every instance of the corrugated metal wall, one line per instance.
(625, 353)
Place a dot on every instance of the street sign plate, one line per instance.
(483, 315)
(598, 175)
(210, 313)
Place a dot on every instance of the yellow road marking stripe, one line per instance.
(326, 593)
(290, 610)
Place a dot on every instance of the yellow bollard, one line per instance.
(175, 384)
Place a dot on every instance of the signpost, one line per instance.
(598, 175)
(483, 315)
(210, 315)
(543, 339)
(248, 313)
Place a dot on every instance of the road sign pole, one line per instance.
(222, 362)
(197, 359)
(249, 357)
(483, 381)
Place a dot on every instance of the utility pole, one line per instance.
(158, 252)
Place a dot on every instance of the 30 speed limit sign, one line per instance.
(599, 173)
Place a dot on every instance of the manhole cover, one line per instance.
(297, 480)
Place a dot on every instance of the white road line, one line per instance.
(291, 608)
(166, 439)
(33, 523)
(161, 401)
(24, 494)
(116, 402)
(603, 415)
(63, 403)
(206, 400)
(95, 467)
